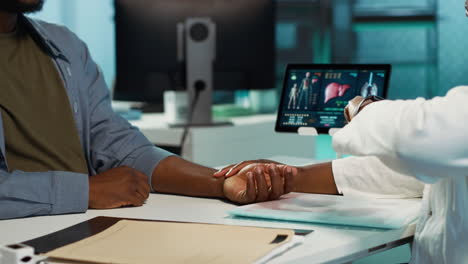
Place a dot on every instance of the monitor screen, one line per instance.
(148, 59)
(315, 95)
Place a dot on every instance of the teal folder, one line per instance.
(336, 210)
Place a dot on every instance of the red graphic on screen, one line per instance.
(335, 90)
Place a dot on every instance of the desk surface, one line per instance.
(327, 244)
(333, 244)
(155, 127)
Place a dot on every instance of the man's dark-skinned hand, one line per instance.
(117, 187)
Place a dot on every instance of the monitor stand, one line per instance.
(312, 131)
(197, 48)
(176, 111)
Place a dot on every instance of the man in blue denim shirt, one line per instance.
(63, 149)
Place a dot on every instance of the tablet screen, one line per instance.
(315, 95)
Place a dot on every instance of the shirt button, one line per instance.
(69, 71)
(75, 107)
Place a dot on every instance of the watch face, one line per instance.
(315, 95)
(466, 8)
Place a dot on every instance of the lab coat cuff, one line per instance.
(338, 169)
(71, 192)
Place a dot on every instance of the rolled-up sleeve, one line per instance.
(42, 193)
(421, 138)
(369, 177)
(114, 141)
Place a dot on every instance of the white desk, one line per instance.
(327, 244)
(250, 137)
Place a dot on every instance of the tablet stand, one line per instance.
(312, 131)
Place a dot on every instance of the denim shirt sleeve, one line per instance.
(42, 193)
(114, 142)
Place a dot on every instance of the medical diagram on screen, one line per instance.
(318, 97)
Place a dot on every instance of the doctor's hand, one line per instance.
(355, 106)
(232, 169)
(259, 182)
(117, 187)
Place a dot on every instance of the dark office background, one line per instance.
(426, 41)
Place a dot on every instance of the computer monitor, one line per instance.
(151, 58)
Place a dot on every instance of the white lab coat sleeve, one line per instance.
(424, 138)
(369, 177)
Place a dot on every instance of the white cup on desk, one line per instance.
(263, 101)
(175, 107)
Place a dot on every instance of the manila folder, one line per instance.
(164, 242)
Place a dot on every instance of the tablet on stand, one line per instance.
(314, 96)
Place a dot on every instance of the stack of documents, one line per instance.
(334, 209)
(167, 242)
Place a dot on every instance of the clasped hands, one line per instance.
(257, 181)
(245, 182)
